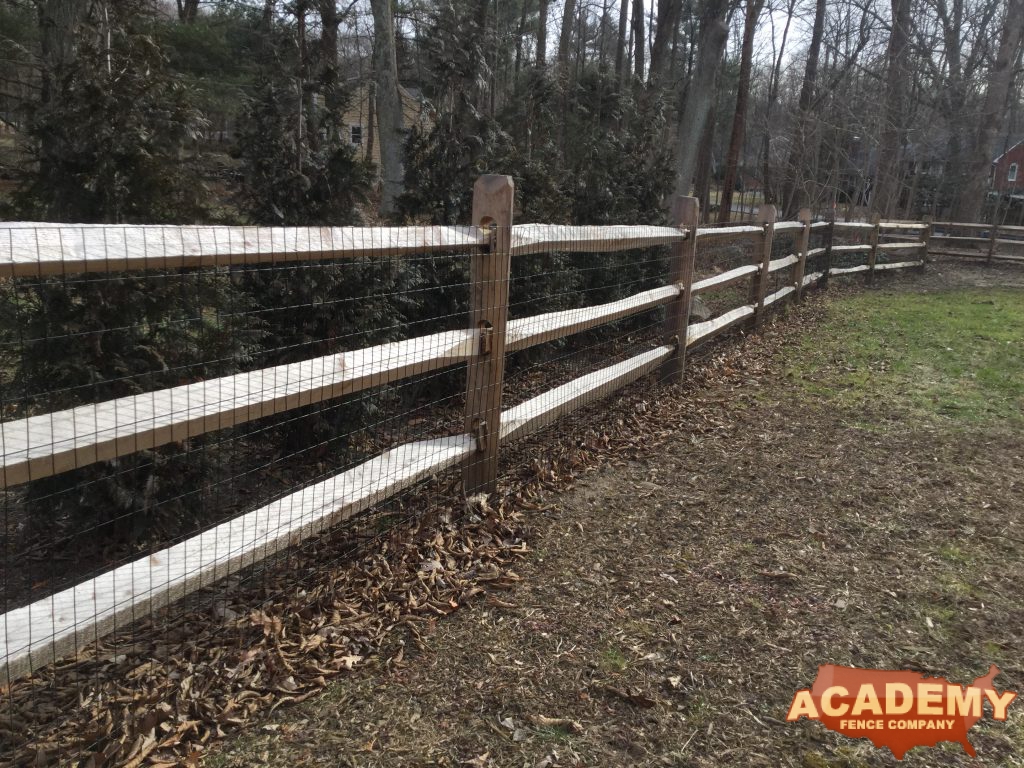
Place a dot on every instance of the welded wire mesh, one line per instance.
(166, 427)
(201, 421)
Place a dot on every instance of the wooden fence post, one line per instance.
(685, 214)
(759, 286)
(488, 297)
(926, 239)
(805, 240)
(993, 234)
(873, 253)
(829, 237)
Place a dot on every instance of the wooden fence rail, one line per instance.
(50, 443)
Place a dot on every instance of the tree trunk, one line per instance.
(542, 34)
(328, 80)
(565, 38)
(700, 93)
(990, 118)
(767, 179)
(389, 104)
(705, 167)
(621, 58)
(59, 22)
(527, 4)
(669, 12)
(732, 159)
(638, 39)
(792, 195)
(888, 176)
(188, 10)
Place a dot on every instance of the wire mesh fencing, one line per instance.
(199, 421)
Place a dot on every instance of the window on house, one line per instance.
(356, 133)
(1011, 175)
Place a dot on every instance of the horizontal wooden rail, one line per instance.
(899, 264)
(62, 624)
(899, 246)
(963, 225)
(725, 233)
(527, 417)
(976, 255)
(726, 278)
(849, 270)
(961, 239)
(710, 328)
(541, 238)
(808, 279)
(816, 252)
(785, 261)
(48, 444)
(788, 226)
(30, 250)
(851, 248)
(782, 293)
(528, 331)
(854, 225)
(902, 225)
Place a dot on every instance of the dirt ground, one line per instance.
(732, 535)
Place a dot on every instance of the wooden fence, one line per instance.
(46, 444)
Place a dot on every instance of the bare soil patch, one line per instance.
(699, 551)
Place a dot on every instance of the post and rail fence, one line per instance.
(73, 268)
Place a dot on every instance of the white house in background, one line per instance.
(360, 119)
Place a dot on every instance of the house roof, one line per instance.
(1008, 151)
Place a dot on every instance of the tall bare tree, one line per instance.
(992, 113)
(188, 10)
(732, 158)
(565, 37)
(389, 104)
(542, 34)
(797, 161)
(621, 55)
(889, 177)
(700, 93)
(669, 12)
(638, 39)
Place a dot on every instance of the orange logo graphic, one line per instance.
(898, 710)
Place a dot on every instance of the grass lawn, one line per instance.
(953, 356)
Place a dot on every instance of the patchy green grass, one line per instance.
(951, 355)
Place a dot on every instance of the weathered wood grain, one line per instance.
(50, 443)
(726, 278)
(529, 331)
(63, 623)
(710, 328)
(528, 417)
(61, 249)
(541, 238)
